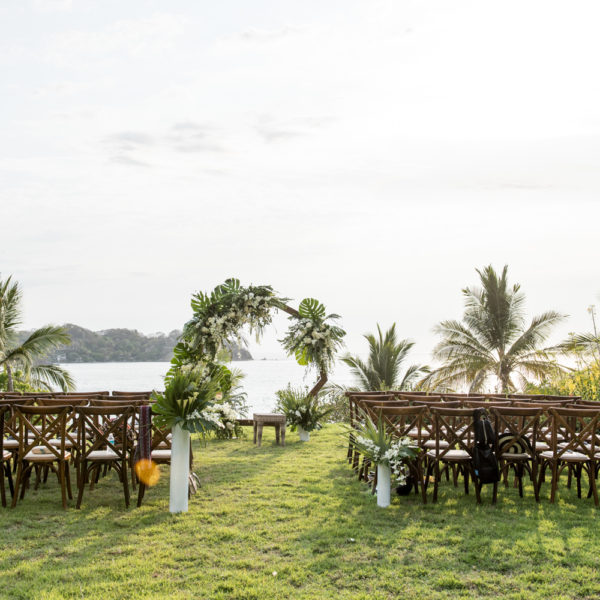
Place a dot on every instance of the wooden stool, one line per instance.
(271, 420)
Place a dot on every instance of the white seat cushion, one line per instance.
(107, 454)
(161, 454)
(567, 456)
(431, 444)
(452, 455)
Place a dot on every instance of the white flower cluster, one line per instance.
(247, 309)
(394, 455)
(316, 336)
(211, 415)
(228, 416)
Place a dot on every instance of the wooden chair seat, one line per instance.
(102, 455)
(452, 455)
(34, 457)
(161, 454)
(430, 444)
(6, 455)
(57, 442)
(568, 456)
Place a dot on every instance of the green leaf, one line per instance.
(310, 308)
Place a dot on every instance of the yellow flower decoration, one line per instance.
(147, 471)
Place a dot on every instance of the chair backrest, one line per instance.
(373, 407)
(404, 421)
(579, 428)
(84, 394)
(422, 400)
(563, 398)
(132, 394)
(96, 425)
(450, 404)
(5, 414)
(579, 404)
(485, 403)
(455, 426)
(463, 399)
(517, 427)
(115, 402)
(37, 425)
(61, 401)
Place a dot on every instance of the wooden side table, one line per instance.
(271, 420)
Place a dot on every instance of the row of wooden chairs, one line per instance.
(45, 434)
(533, 437)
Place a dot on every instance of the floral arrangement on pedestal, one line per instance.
(302, 410)
(390, 453)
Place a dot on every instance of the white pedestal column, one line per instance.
(384, 484)
(180, 470)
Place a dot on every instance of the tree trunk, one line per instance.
(9, 378)
(322, 376)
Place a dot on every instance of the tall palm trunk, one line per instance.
(9, 378)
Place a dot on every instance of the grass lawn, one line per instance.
(293, 522)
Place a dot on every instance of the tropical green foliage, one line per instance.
(312, 338)
(187, 400)
(584, 382)
(376, 442)
(301, 409)
(383, 369)
(20, 359)
(220, 315)
(493, 345)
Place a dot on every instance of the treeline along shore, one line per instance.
(119, 345)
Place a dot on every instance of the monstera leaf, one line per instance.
(231, 286)
(310, 308)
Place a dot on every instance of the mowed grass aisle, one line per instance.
(293, 522)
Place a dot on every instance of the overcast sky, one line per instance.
(370, 154)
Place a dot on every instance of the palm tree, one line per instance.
(492, 341)
(20, 359)
(383, 369)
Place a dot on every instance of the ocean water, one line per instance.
(262, 378)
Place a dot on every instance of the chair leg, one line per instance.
(436, 480)
(467, 482)
(578, 470)
(68, 480)
(63, 485)
(17, 483)
(534, 479)
(554, 483)
(2, 488)
(495, 493)
(83, 475)
(592, 473)
(141, 490)
(125, 483)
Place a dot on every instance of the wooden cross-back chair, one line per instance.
(5, 456)
(580, 450)
(516, 436)
(454, 426)
(39, 428)
(103, 441)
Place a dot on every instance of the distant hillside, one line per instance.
(119, 345)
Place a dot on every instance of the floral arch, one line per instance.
(219, 317)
